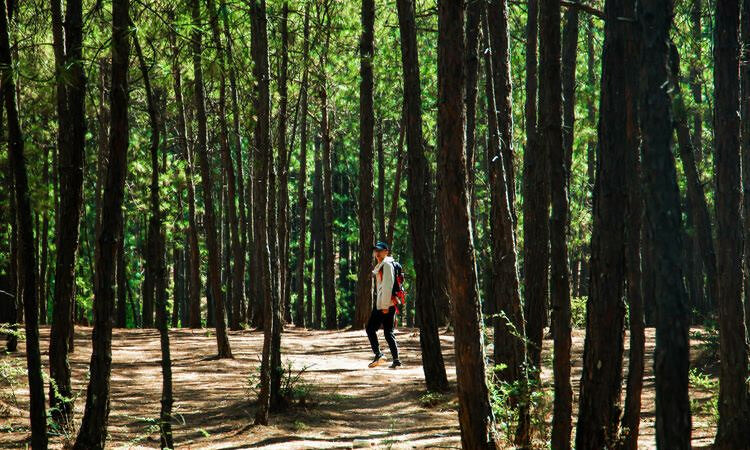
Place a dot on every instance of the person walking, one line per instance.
(384, 313)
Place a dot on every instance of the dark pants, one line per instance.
(378, 318)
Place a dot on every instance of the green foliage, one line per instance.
(12, 371)
(578, 312)
(706, 403)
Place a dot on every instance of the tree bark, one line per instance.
(27, 257)
(263, 158)
(93, 431)
(400, 160)
(509, 328)
(299, 318)
(283, 171)
(535, 206)
(475, 414)
(550, 134)
(363, 304)
(71, 89)
(734, 402)
(663, 217)
(599, 404)
(420, 203)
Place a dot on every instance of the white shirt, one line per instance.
(384, 277)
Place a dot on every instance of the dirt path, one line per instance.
(350, 405)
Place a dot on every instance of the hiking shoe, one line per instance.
(376, 361)
(396, 363)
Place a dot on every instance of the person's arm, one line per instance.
(386, 286)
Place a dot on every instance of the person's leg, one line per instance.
(390, 337)
(372, 328)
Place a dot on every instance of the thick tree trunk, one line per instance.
(599, 405)
(745, 144)
(550, 134)
(363, 302)
(299, 318)
(263, 159)
(71, 87)
(223, 349)
(535, 206)
(734, 403)
(27, 267)
(663, 217)
(420, 203)
(93, 431)
(475, 414)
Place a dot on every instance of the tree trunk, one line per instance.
(263, 159)
(212, 244)
(299, 318)
(663, 217)
(122, 283)
(475, 414)
(238, 258)
(400, 160)
(745, 143)
(27, 268)
(283, 171)
(420, 203)
(363, 304)
(44, 238)
(550, 134)
(509, 348)
(236, 142)
(316, 231)
(535, 206)
(71, 88)
(194, 287)
(734, 404)
(329, 267)
(599, 405)
(93, 431)
(380, 210)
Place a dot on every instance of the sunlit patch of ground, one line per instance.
(348, 406)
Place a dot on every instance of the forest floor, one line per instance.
(348, 405)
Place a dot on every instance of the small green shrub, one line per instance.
(705, 406)
(578, 312)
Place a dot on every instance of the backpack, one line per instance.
(398, 292)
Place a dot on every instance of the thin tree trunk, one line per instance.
(93, 431)
(27, 269)
(734, 404)
(599, 405)
(71, 87)
(475, 414)
(380, 210)
(400, 161)
(223, 349)
(420, 203)
(283, 173)
(316, 231)
(663, 217)
(44, 238)
(299, 319)
(363, 304)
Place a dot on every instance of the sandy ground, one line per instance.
(350, 405)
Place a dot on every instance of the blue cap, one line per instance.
(380, 245)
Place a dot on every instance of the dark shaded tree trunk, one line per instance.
(236, 142)
(380, 210)
(263, 160)
(599, 404)
(214, 280)
(471, 66)
(550, 134)
(420, 202)
(71, 93)
(509, 328)
(475, 414)
(535, 206)
(396, 195)
(93, 431)
(363, 302)
(283, 189)
(299, 318)
(734, 404)
(193, 268)
(316, 230)
(27, 257)
(237, 275)
(745, 144)
(44, 238)
(663, 217)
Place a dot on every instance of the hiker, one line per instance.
(385, 309)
